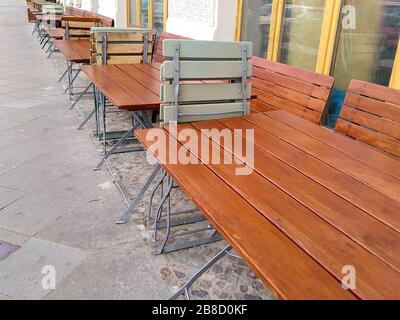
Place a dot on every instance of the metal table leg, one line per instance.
(124, 218)
(185, 289)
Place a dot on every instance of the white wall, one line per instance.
(115, 9)
(203, 19)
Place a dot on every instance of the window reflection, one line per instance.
(144, 13)
(301, 32)
(256, 24)
(158, 16)
(367, 41)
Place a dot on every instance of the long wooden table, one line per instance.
(316, 205)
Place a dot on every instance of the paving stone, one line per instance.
(13, 237)
(21, 273)
(120, 273)
(8, 196)
(28, 215)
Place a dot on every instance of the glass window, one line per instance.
(158, 15)
(256, 24)
(301, 32)
(367, 41)
(144, 13)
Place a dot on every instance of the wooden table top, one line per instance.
(128, 86)
(74, 50)
(316, 204)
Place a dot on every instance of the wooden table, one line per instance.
(316, 205)
(77, 51)
(130, 87)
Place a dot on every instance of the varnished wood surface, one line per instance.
(308, 192)
(74, 50)
(129, 87)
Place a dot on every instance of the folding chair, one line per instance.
(202, 80)
(119, 46)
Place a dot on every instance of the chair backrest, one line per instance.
(204, 80)
(53, 9)
(79, 27)
(122, 46)
(298, 91)
(371, 114)
(158, 57)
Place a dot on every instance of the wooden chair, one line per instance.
(118, 46)
(79, 27)
(371, 114)
(280, 86)
(122, 46)
(205, 60)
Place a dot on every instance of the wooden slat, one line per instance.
(124, 48)
(205, 92)
(305, 228)
(135, 71)
(82, 48)
(203, 112)
(68, 52)
(359, 194)
(296, 97)
(353, 148)
(124, 59)
(116, 94)
(283, 266)
(377, 107)
(194, 70)
(377, 139)
(294, 72)
(292, 107)
(375, 91)
(145, 98)
(197, 49)
(385, 126)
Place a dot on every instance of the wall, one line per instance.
(115, 9)
(203, 19)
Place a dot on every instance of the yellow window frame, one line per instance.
(395, 78)
(150, 12)
(329, 36)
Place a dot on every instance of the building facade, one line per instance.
(348, 39)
